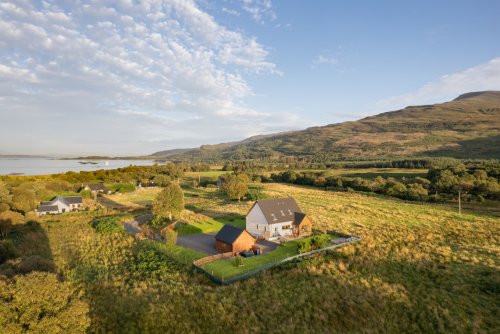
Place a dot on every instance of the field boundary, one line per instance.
(245, 275)
(211, 258)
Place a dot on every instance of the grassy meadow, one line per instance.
(420, 268)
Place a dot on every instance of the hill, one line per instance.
(467, 127)
(168, 153)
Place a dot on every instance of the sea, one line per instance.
(12, 165)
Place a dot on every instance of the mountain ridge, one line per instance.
(466, 127)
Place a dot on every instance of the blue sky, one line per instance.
(133, 77)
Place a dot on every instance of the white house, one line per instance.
(272, 218)
(60, 204)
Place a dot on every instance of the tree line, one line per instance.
(440, 184)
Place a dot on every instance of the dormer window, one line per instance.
(273, 216)
(282, 213)
(290, 212)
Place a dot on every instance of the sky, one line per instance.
(128, 77)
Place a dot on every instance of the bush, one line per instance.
(304, 246)
(255, 194)
(107, 224)
(150, 261)
(238, 261)
(319, 241)
(170, 236)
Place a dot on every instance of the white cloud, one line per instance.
(260, 10)
(323, 60)
(114, 77)
(485, 76)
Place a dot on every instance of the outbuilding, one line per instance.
(233, 239)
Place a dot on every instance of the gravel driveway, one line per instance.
(203, 242)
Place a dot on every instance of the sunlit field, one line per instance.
(420, 268)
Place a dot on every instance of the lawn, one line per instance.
(195, 227)
(226, 268)
(209, 225)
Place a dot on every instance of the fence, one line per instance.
(250, 273)
(211, 258)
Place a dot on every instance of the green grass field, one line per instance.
(206, 174)
(139, 198)
(209, 225)
(224, 269)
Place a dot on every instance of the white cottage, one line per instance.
(60, 204)
(272, 218)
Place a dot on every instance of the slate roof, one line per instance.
(70, 199)
(229, 234)
(299, 218)
(278, 210)
(47, 208)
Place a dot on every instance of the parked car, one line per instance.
(247, 254)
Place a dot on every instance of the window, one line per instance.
(285, 227)
(273, 216)
(257, 226)
(282, 213)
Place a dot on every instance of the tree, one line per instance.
(234, 187)
(169, 202)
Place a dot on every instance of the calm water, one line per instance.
(40, 165)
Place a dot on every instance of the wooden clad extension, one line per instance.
(233, 239)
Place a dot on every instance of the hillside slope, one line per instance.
(467, 127)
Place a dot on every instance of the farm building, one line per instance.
(272, 218)
(97, 188)
(233, 239)
(60, 204)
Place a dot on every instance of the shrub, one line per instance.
(319, 241)
(150, 261)
(255, 194)
(238, 261)
(170, 236)
(304, 246)
(107, 224)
